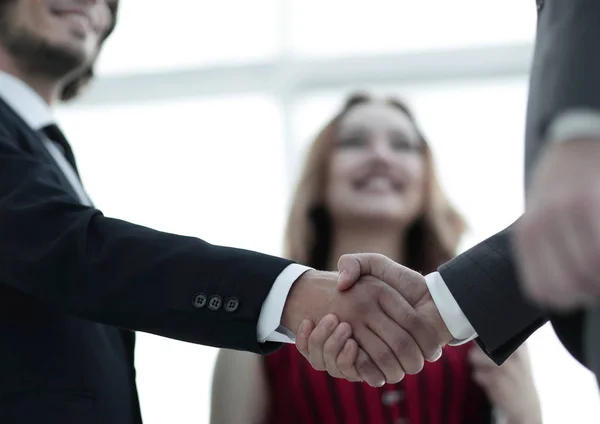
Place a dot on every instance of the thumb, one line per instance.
(349, 271)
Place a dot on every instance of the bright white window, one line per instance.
(158, 35)
(216, 167)
(210, 168)
(341, 28)
(476, 130)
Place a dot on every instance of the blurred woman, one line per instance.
(369, 186)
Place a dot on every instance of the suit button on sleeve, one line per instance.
(199, 300)
(232, 304)
(214, 303)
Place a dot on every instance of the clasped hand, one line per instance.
(557, 240)
(375, 320)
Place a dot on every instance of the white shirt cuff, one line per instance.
(574, 123)
(454, 318)
(269, 328)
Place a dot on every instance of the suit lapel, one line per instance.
(35, 143)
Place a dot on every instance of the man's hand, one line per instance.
(394, 338)
(510, 387)
(341, 355)
(558, 238)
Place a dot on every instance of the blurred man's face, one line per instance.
(53, 37)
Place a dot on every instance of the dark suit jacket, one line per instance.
(74, 283)
(483, 280)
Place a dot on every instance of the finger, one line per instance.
(405, 316)
(306, 327)
(381, 355)
(368, 370)
(529, 247)
(409, 283)
(478, 359)
(401, 343)
(317, 339)
(346, 361)
(349, 272)
(353, 266)
(333, 348)
(582, 239)
(484, 378)
(554, 268)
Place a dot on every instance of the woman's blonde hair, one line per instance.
(431, 240)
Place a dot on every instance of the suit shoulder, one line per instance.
(12, 131)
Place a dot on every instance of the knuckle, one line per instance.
(332, 349)
(364, 364)
(385, 357)
(375, 287)
(400, 272)
(348, 369)
(348, 259)
(362, 305)
(412, 320)
(375, 257)
(401, 344)
(316, 340)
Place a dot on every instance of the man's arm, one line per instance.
(564, 94)
(114, 272)
(563, 105)
(74, 259)
(484, 283)
(564, 100)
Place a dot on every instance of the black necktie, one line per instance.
(55, 134)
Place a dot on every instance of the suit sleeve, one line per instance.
(106, 270)
(483, 280)
(564, 100)
(564, 87)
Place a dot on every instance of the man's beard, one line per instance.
(34, 54)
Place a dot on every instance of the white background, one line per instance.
(221, 167)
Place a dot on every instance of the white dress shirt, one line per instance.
(37, 114)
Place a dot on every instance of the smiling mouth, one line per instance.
(80, 19)
(378, 184)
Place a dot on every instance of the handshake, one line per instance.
(372, 321)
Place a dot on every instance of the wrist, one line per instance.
(526, 420)
(426, 306)
(531, 415)
(306, 297)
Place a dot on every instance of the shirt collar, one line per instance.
(25, 102)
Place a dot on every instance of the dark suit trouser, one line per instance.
(592, 341)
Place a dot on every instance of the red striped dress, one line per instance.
(443, 393)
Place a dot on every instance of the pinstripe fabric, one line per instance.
(486, 275)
